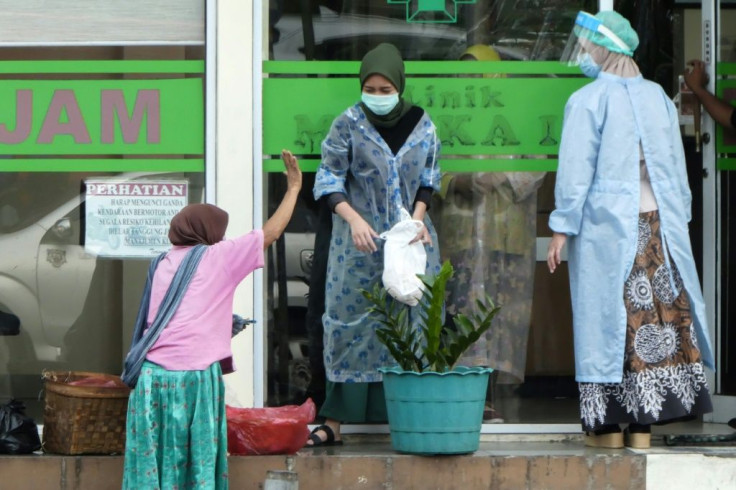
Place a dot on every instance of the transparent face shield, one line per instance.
(587, 29)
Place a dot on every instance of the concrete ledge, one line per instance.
(46, 471)
(368, 466)
(454, 472)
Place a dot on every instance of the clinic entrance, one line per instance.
(719, 153)
(309, 76)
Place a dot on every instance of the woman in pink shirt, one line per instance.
(176, 426)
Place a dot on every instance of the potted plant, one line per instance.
(434, 406)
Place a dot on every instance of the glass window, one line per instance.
(726, 145)
(109, 23)
(65, 305)
(499, 128)
(491, 214)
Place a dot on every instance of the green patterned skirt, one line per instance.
(176, 430)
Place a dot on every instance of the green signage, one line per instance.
(726, 140)
(84, 121)
(480, 119)
(84, 164)
(101, 117)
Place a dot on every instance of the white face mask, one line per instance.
(380, 104)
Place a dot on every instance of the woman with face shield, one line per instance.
(622, 204)
(379, 161)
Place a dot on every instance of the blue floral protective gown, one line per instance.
(357, 162)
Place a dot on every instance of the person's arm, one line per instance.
(424, 194)
(360, 230)
(330, 181)
(431, 175)
(420, 209)
(696, 79)
(276, 224)
(430, 181)
(578, 157)
(554, 250)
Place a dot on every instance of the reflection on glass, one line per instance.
(487, 221)
(49, 283)
(346, 30)
(61, 308)
(727, 45)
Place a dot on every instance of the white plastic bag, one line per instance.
(403, 261)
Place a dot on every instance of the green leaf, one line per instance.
(463, 324)
(428, 343)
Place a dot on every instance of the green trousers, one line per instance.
(354, 402)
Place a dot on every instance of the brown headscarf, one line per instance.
(198, 223)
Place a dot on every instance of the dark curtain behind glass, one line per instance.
(653, 22)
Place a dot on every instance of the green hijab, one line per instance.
(385, 60)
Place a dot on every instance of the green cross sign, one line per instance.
(431, 11)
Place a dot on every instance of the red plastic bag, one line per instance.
(271, 430)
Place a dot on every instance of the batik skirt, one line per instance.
(664, 378)
(176, 430)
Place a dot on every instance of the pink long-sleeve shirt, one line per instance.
(199, 333)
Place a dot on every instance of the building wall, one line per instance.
(235, 163)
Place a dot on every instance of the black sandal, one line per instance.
(317, 441)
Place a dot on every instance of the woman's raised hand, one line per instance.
(276, 224)
(293, 173)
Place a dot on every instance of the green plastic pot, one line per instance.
(435, 413)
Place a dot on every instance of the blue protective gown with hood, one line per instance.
(597, 207)
(357, 162)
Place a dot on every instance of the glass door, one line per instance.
(721, 152)
(488, 73)
(302, 94)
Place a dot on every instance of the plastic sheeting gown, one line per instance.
(356, 161)
(487, 229)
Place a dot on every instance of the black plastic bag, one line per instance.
(18, 433)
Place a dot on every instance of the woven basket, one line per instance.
(83, 419)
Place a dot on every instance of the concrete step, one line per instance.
(366, 466)
(370, 463)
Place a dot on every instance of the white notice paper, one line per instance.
(131, 218)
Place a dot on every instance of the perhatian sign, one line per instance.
(131, 218)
